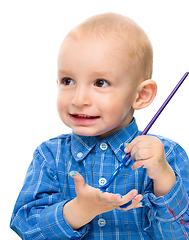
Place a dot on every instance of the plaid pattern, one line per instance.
(47, 187)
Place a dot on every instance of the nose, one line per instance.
(81, 97)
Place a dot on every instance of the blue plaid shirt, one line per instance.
(38, 211)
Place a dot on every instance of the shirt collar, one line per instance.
(82, 145)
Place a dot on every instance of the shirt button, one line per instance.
(101, 222)
(103, 146)
(102, 181)
(80, 154)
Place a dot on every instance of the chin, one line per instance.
(83, 133)
(86, 132)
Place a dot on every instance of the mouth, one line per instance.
(84, 116)
(83, 119)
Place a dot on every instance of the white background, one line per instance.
(30, 35)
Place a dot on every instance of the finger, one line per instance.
(116, 199)
(139, 164)
(127, 199)
(126, 204)
(140, 139)
(130, 146)
(123, 146)
(134, 203)
(79, 181)
(134, 142)
(106, 197)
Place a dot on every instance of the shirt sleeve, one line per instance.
(38, 212)
(168, 215)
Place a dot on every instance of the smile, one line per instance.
(83, 119)
(83, 116)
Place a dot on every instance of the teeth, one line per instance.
(83, 116)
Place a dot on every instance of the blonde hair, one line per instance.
(126, 33)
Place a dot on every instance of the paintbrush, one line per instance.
(127, 156)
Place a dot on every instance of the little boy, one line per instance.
(104, 74)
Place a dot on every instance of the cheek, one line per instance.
(119, 110)
(116, 105)
(62, 107)
(61, 103)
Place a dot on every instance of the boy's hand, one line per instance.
(91, 202)
(148, 152)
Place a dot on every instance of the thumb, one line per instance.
(125, 147)
(79, 181)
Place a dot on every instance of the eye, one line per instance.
(67, 81)
(101, 83)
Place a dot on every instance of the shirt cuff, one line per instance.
(168, 207)
(54, 226)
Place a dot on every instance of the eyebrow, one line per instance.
(64, 71)
(104, 73)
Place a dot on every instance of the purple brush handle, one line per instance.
(125, 159)
(164, 104)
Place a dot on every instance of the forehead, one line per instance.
(96, 52)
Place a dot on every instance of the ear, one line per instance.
(145, 94)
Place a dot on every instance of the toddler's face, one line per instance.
(95, 89)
